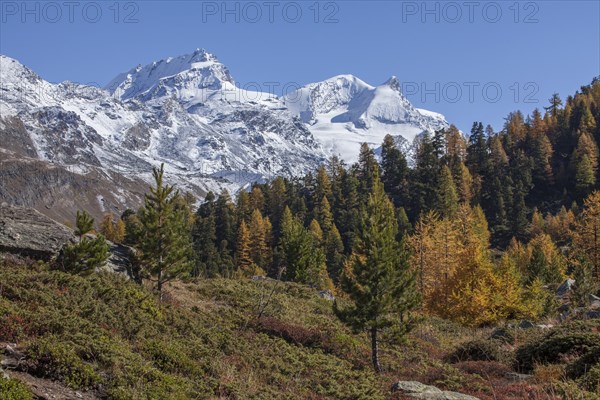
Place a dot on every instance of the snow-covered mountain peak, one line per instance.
(344, 111)
(394, 83)
(12, 71)
(180, 76)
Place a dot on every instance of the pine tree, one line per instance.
(225, 219)
(584, 284)
(85, 256)
(477, 155)
(303, 259)
(377, 277)
(394, 171)
(244, 207)
(555, 104)
(367, 168)
(84, 223)
(585, 177)
(277, 202)
(423, 185)
(165, 243)
(88, 254)
(204, 237)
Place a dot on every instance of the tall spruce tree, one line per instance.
(394, 171)
(377, 277)
(165, 242)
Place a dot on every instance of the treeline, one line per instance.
(490, 224)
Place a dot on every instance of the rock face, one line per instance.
(419, 390)
(26, 232)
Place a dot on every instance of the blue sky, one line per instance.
(468, 60)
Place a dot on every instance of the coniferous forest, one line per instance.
(488, 223)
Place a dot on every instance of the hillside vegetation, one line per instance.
(110, 337)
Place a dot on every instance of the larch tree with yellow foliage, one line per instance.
(587, 233)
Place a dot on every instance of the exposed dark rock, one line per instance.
(26, 232)
(525, 324)
(565, 287)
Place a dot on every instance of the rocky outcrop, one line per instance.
(418, 390)
(28, 233)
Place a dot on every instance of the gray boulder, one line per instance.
(594, 301)
(592, 314)
(516, 377)
(26, 232)
(525, 324)
(418, 390)
(565, 287)
(327, 295)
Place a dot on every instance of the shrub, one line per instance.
(477, 350)
(504, 335)
(591, 380)
(584, 363)
(291, 333)
(12, 389)
(553, 347)
(51, 357)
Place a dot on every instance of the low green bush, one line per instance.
(553, 347)
(478, 350)
(12, 389)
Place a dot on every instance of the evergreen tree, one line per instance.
(303, 259)
(225, 220)
(584, 284)
(377, 277)
(394, 171)
(88, 254)
(366, 169)
(85, 256)
(555, 104)
(165, 243)
(84, 224)
(585, 178)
